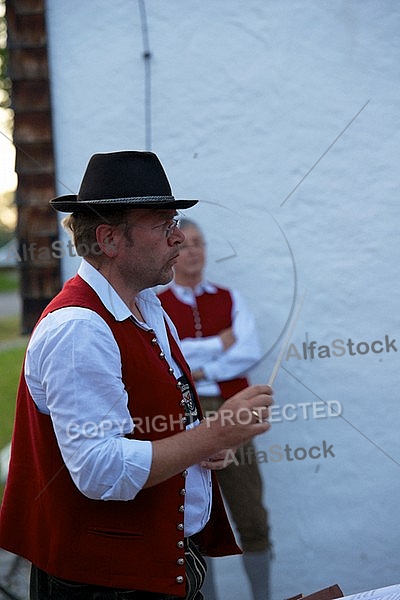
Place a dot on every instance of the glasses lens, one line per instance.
(175, 223)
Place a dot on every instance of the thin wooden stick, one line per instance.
(286, 341)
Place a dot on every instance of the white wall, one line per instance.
(246, 98)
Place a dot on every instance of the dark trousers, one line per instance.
(48, 587)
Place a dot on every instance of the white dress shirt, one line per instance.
(208, 353)
(73, 372)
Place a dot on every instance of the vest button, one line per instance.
(179, 385)
(181, 544)
(183, 492)
(179, 579)
(170, 370)
(184, 420)
(181, 508)
(180, 526)
(182, 403)
(180, 561)
(154, 341)
(184, 473)
(162, 355)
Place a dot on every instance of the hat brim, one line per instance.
(71, 203)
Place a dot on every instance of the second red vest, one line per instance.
(215, 311)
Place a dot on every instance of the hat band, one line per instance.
(146, 199)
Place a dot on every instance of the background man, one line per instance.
(109, 488)
(219, 341)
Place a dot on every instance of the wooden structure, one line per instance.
(330, 593)
(37, 226)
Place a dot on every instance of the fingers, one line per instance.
(220, 460)
(260, 394)
(256, 399)
(259, 427)
(217, 465)
(242, 417)
(227, 337)
(261, 414)
(261, 402)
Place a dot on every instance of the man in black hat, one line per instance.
(111, 490)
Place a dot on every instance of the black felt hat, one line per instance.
(127, 179)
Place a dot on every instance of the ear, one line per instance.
(108, 238)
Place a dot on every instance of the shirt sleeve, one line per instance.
(73, 371)
(244, 353)
(200, 351)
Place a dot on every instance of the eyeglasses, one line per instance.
(169, 227)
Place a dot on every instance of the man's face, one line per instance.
(148, 248)
(192, 257)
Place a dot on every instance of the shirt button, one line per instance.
(181, 544)
(179, 579)
(180, 526)
(180, 561)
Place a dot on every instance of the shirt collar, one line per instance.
(187, 295)
(107, 294)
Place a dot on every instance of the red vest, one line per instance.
(215, 313)
(132, 544)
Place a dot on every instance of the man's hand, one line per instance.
(220, 460)
(198, 375)
(227, 337)
(238, 420)
(242, 416)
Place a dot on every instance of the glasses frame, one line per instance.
(169, 226)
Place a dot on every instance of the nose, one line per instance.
(177, 237)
